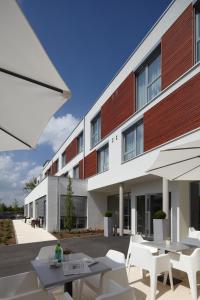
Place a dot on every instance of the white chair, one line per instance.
(46, 252)
(98, 283)
(117, 292)
(137, 238)
(40, 295)
(189, 264)
(143, 258)
(193, 233)
(18, 284)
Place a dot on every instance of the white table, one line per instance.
(50, 277)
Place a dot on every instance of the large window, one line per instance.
(76, 172)
(80, 142)
(103, 159)
(133, 141)
(148, 80)
(197, 21)
(95, 130)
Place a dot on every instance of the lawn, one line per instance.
(7, 235)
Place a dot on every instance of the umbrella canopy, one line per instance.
(179, 163)
(31, 90)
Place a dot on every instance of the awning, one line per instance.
(31, 90)
(179, 163)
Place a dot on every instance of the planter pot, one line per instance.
(108, 230)
(160, 229)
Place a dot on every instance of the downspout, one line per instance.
(58, 203)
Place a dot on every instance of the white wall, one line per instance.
(96, 208)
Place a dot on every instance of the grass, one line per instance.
(7, 236)
(77, 233)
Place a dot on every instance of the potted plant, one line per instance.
(108, 223)
(160, 226)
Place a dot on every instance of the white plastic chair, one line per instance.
(189, 264)
(137, 238)
(117, 292)
(98, 283)
(18, 284)
(46, 252)
(143, 258)
(193, 233)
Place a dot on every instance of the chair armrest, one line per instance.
(162, 262)
(67, 297)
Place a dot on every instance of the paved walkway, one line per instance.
(25, 233)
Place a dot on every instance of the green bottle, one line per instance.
(58, 252)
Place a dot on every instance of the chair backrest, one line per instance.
(116, 256)
(117, 292)
(18, 284)
(192, 233)
(195, 259)
(141, 256)
(46, 252)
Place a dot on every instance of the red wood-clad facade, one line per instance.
(177, 48)
(177, 114)
(90, 164)
(119, 107)
(71, 150)
(81, 173)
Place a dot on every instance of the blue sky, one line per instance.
(88, 41)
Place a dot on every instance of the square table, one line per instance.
(172, 247)
(50, 277)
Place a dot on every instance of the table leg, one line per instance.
(68, 287)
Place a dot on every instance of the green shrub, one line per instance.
(108, 214)
(159, 214)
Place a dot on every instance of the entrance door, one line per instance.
(147, 205)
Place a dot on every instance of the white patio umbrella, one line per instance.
(179, 163)
(31, 90)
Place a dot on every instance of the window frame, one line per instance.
(133, 127)
(102, 149)
(80, 137)
(145, 67)
(196, 39)
(97, 117)
(74, 170)
(63, 155)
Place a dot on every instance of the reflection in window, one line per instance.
(95, 130)
(149, 80)
(133, 141)
(103, 159)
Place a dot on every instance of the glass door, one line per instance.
(147, 205)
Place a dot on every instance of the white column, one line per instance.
(165, 197)
(121, 210)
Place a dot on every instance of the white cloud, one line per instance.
(57, 130)
(13, 175)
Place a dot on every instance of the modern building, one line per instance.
(152, 103)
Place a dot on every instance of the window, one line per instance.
(63, 158)
(76, 172)
(80, 142)
(197, 22)
(103, 159)
(133, 140)
(95, 130)
(148, 80)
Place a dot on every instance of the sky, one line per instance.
(88, 41)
